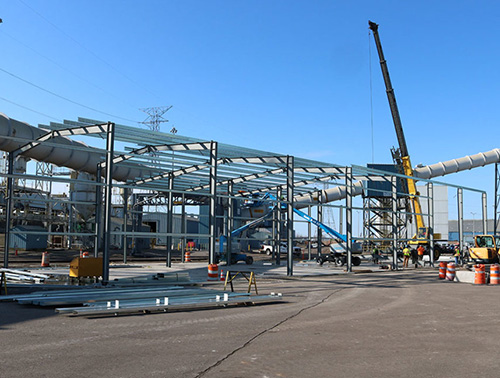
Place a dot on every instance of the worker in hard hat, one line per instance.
(406, 256)
(456, 255)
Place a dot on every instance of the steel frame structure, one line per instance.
(199, 172)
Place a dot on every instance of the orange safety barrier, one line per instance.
(480, 275)
(442, 270)
(495, 274)
(45, 259)
(187, 256)
(450, 271)
(213, 272)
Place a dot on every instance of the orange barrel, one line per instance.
(187, 256)
(480, 275)
(442, 270)
(213, 272)
(495, 274)
(45, 259)
(450, 271)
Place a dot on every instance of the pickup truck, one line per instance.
(268, 249)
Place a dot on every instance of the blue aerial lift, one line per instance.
(337, 256)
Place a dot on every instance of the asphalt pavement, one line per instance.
(374, 323)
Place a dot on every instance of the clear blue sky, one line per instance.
(290, 77)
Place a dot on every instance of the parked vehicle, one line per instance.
(268, 249)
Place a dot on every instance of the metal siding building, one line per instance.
(28, 241)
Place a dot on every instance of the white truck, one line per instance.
(268, 249)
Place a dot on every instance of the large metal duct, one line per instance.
(427, 172)
(457, 165)
(68, 153)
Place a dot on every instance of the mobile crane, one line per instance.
(401, 155)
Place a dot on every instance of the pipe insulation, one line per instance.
(458, 165)
(428, 172)
(14, 134)
(68, 153)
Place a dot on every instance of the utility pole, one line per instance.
(155, 116)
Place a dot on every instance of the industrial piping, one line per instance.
(14, 134)
(434, 170)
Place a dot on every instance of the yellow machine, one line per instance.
(85, 267)
(486, 249)
(401, 156)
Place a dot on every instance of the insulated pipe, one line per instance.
(458, 165)
(68, 155)
(427, 172)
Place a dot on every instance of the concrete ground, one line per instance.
(330, 324)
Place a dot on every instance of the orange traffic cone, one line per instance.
(222, 275)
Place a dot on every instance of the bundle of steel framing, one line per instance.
(14, 275)
(113, 301)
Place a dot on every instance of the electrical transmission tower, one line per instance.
(155, 116)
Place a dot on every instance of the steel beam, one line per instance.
(213, 200)
(394, 218)
(348, 212)
(485, 213)
(230, 220)
(170, 220)
(460, 205)
(110, 140)
(430, 206)
(289, 218)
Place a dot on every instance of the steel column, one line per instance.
(110, 142)
(183, 227)
(277, 251)
(319, 230)
(348, 216)
(97, 216)
(394, 221)
(230, 220)
(125, 216)
(8, 208)
(309, 234)
(485, 213)
(170, 219)
(496, 201)
(460, 204)
(430, 206)
(289, 218)
(213, 200)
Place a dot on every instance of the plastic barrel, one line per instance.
(187, 256)
(213, 272)
(450, 271)
(480, 275)
(495, 274)
(442, 270)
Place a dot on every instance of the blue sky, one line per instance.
(291, 77)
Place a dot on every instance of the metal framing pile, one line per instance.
(114, 301)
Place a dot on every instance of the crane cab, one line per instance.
(485, 250)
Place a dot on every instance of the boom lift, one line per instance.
(401, 156)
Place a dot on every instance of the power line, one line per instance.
(65, 69)
(31, 110)
(87, 49)
(64, 98)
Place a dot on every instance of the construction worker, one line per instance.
(421, 251)
(406, 256)
(456, 255)
(375, 255)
